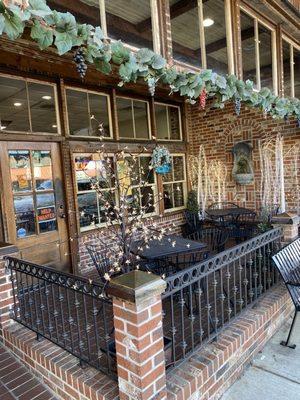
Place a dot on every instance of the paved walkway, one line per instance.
(275, 372)
(17, 383)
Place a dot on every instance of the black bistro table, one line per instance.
(234, 212)
(170, 245)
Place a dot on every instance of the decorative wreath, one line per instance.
(161, 160)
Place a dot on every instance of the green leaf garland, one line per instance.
(61, 30)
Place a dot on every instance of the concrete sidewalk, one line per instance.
(274, 373)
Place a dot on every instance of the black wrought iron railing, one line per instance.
(203, 299)
(70, 311)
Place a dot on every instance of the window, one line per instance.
(33, 192)
(291, 69)
(215, 35)
(88, 113)
(185, 27)
(168, 122)
(130, 21)
(174, 184)
(91, 171)
(140, 182)
(257, 54)
(133, 118)
(27, 106)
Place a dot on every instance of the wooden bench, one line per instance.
(287, 262)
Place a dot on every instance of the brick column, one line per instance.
(139, 339)
(289, 223)
(6, 296)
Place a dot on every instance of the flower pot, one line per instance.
(244, 179)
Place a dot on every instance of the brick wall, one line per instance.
(218, 130)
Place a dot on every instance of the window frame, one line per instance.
(56, 103)
(134, 138)
(155, 25)
(87, 91)
(180, 122)
(78, 192)
(257, 20)
(293, 45)
(202, 41)
(184, 182)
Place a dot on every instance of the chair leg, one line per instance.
(286, 343)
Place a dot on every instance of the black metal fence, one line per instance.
(70, 311)
(201, 300)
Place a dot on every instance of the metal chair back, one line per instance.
(101, 263)
(215, 238)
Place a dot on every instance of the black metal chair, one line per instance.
(101, 263)
(287, 262)
(215, 239)
(158, 267)
(193, 222)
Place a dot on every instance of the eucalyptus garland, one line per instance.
(50, 28)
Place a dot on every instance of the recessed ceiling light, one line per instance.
(47, 97)
(2, 127)
(54, 126)
(208, 22)
(17, 104)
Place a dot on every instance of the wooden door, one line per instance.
(34, 209)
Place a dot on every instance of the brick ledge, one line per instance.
(58, 369)
(208, 373)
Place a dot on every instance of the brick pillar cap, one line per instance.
(136, 286)
(286, 218)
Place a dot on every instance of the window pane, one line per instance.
(130, 21)
(25, 216)
(124, 107)
(215, 35)
(178, 195)
(78, 113)
(168, 177)
(286, 68)
(42, 107)
(265, 57)
(146, 173)
(168, 197)
(161, 118)
(14, 114)
(20, 170)
(178, 167)
(85, 170)
(46, 212)
(174, 123)
(99, 109)
(297, 72)
(147, 199)
(88, 209)
(42, 169)
(185, 33)
(140, 110)
(248, 48)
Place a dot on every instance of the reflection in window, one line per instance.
(168, 122)
(138, 182)
(215, 35)
(20, 170)
(133, 118)
(33, 196)
(185, 32)
(88, 113)
(174, 184)
(16, 96)
(265, 57)
(130, 21)
(248, 48)
(297, 72)
(92, 204)
(286, 50)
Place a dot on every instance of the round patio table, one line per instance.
(235, 212)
